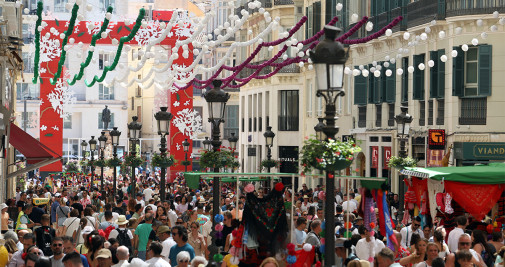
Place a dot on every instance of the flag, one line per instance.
(389, 225)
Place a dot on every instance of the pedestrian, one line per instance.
(44, 235)
(141, 237)
(69, 247)
(407, 232)
(5, 218)
(57, 250)
(62, 213)
(156, 259)
(123, 235)
(104, 258)
(368, 246)
(183, 259)
(452, 239)
(109, 221)
(180, 235)
(196, 240)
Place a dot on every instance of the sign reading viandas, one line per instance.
(479, 150)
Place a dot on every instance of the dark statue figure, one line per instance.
(106, 117)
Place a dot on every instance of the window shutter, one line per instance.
(441, 74)
(371, 86)
(458, 73)
(317, 17)
(307, 23)
(377, 88)
(405, 80)
(360, 88)
(434, 75)
(391, 85)
(418, 78)
(330, 10)
(485, 63)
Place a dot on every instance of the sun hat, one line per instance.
(163, 229)
(3, 206)
(121, 220)
(104, 253)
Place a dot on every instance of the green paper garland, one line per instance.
(95, 37)
(67, 33)
(40, 7)
(123, 40)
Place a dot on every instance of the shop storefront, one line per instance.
(470, 153)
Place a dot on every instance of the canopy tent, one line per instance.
(494, 173)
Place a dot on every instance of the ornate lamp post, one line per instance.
(329, 58)
(185, 146)
(269, 142)
(115, 141)
(163, 118)
(319, 130)
(92, 149)
(403, 121)
(134, 128)
(102, 140)
(216, 100)
(233, 145)
(207, 144)
(84, 146)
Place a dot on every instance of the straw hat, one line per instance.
(121, 220)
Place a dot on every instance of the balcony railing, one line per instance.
(424, 11)
(283, 2)
(291, 68)
(473, 111)
(472, 7)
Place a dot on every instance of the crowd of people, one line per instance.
(81, 226)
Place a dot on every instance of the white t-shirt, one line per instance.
(453, 239)
(115, 215)
(72, 225)
(141, 202)
(167, 245)
(367, 250)
(352, 206)
(148, 194)
(158, 262)
(172, 216)
(114, 233)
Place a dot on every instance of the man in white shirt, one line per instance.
(349, 205)
(167, 241)
(407, 232)
(148, 192)
(140, 200)
(465, 243)
(368, 247)
(122, 255)
(305, 204)
(452, 240)
(157, 260)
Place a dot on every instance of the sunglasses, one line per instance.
(36, 253)
(163, 219)
(175, 233)
(57, 245)
(465, 243)
(179, 223)
(416, 224)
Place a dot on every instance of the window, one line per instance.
(100, 123)
(378, 115)
(196, 91)
(391, 114)
(422, 113)
(473, 111)
(440, 111)
(419, 148)
(360, 89)
(309, 97)
(362, 116)
(319, 106)
(28, 90)
(59, 5)
(104, 4)
(138, 92)
(28, 62)
(103, 59)
(231, 121)
(105, 93)
(405, 80)
(288, 118)
(418, 80)
(67, 122)
(472, 72)
(430, 112)
(30, 118)
(308, 24)
(27, 34)
(437, 75)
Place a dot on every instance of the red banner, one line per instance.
(386, 156)
(476, 199)
(375, 157)
(434, 158)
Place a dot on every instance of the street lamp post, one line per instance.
(216, 99)
(403, 121)
(329, 58)
(233, 145)
(115, 141)
(134, 128)
(103, 142)
(163, 118)
(269, 142)
(185, 146)
(84, 146)
(92, 149)
(207, 144)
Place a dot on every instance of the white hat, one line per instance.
(87, 230)
(3, 206)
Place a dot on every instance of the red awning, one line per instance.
(33, 150)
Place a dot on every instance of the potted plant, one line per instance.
(269, 163)
(185, 163)
(72, 166)
(99, 163)
(401, 163)
(217, 159)
(331, 155)
(113, 162)
(133, 160)
(162, 162)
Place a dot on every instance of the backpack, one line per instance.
(47, 238)
(123, 239)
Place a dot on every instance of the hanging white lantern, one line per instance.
(386, 58)
(389, 32)
(502, 21)
(71, 41)
(433, 22)
(347, 70)
(356, 72)
(373, 69)
(361, 67)
(377, 74)
(399, 71)
(339, 6)
(354, 17)
(410, 69)
(494, 28)
(483, 35)
(393, 60)
(108, 15)
(389, 73)
(386, 64)
(431, 63)
(427, 30)
(441, 35)
(496, 14)
(406, 51)
(424, 36)
(479, 22)
(443, 58)
(421, 66)
(365, 73)
(454, 53)
(369, 26)
(464, 47)
(311, 67)
(374, 63)
(379, 67)
(475, 41)
(103, 34)
(406, 35)
(400, 50)
(62, 36)
(458, 30)
(301, 64)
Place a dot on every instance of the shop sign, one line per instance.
(479, 151)
(436, 139)
(375, 157)
(435, 157)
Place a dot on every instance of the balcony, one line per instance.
(424, 11)
(473, 111)
(246, 72)
(472, 7)
(283, 2)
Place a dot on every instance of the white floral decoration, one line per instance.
(186, 103)
(43, 128)
(176, 103)
(178, 146)
(55, 128)
(49, 49)
(61, 98)
(189, 122)
(151, 31)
